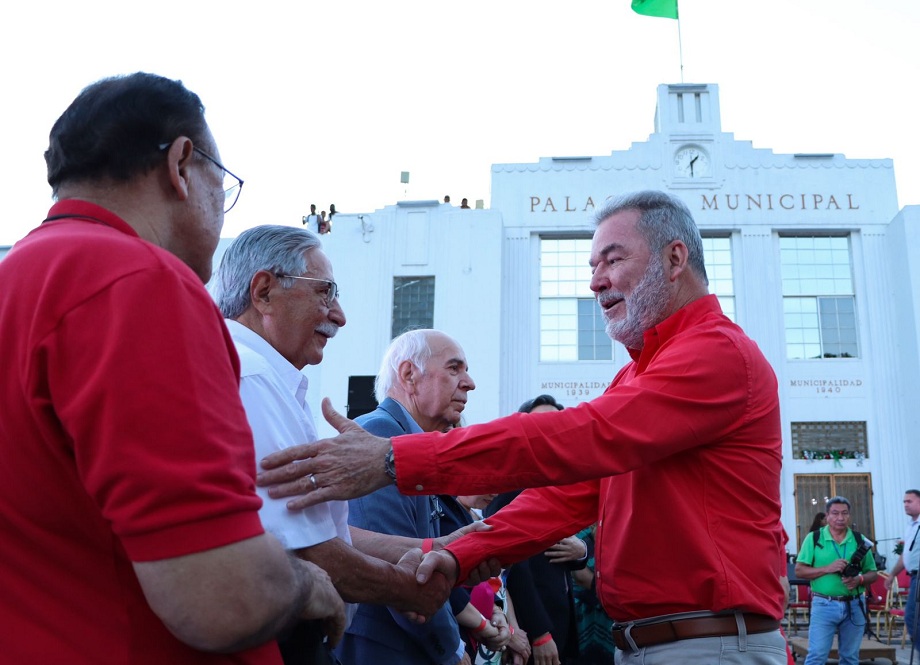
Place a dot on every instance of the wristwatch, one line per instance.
(389, 464)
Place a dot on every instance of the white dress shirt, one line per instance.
(274, 396)
(912, 557)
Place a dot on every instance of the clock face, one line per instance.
(692, 162)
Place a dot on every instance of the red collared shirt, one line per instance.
(678, 462)
(122, 440)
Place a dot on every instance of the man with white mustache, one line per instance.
(275, 288)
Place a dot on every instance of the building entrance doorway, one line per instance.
(813, 490)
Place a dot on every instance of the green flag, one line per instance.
(662, 8)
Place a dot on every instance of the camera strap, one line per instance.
(816, 536)
(865, 612)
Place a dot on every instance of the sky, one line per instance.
(329, 102)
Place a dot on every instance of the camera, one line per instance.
(852, 569)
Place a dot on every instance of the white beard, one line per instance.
(645, 307)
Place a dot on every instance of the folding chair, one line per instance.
(894, 612)
(799, 605)
(876, 598)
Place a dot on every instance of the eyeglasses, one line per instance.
(233, 184)
(437, 512)
(332, 289)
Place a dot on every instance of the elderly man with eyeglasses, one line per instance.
(276, 288)
(129, 522)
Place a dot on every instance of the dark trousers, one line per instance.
(305, 645)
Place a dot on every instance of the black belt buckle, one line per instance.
(838, 599)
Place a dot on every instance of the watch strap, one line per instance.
(389, 464)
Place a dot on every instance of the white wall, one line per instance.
(460, 248)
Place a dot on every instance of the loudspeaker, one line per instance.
(361, 398)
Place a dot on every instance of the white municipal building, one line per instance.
(809, 253)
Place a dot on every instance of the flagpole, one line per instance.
(663, 9)
(680, 49)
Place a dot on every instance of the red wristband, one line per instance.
(427, 544)
(481, 627)
(543, 640)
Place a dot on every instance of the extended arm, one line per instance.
(238, 596)
(534, 520)
(391, 547)
(613, 432)
(364, 579)
(702, 399)
(898, 567)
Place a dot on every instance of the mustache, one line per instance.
(608, 297)
(327, 328)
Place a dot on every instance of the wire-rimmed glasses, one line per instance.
(332, 290)
(233, 184)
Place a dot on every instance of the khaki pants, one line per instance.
(758, 649)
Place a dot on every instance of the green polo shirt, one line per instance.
(830, 551)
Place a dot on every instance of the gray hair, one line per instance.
(278, 249)
(834, 500)
(662, 219)
(412, 346)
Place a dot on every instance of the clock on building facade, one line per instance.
(691, 161)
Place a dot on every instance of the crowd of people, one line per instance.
(163, 498)
(695, 416)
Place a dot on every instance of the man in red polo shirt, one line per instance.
(678, 461)
(128, 516)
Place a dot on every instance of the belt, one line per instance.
(912, 573)
(688, 629)
(842, 599)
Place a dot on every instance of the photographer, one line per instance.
(839, 563)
